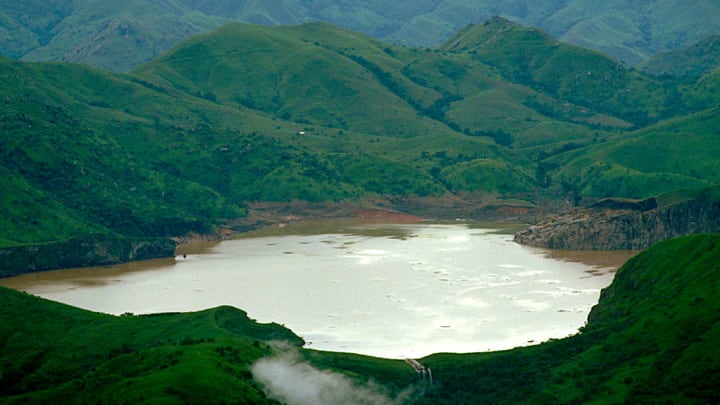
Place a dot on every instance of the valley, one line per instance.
(244, 126)
(190, 141)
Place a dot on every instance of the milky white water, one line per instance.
(385, 290)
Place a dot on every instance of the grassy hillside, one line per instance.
(71, 173)
(586, 78)
(89, 357)
(703, 91)
(307, 74)
(317, 113)
(675, 154)
(694, 60)
(651, 338)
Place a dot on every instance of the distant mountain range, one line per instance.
(119, 35)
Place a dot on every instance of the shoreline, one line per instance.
(470, 209)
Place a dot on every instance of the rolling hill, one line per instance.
(694, 60)
(317, 113)
(647, 162)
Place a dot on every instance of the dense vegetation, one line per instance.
(121, 35)
(317, 113)
(652, 337)
(52, 352)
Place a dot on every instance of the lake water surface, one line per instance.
(384, 290)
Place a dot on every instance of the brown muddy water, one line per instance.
(395, 291)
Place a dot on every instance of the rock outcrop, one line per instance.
(83, 251)
(625, 224)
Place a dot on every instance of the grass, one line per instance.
(672, 155)
(93, 357)
(692, 61)
(586, 78)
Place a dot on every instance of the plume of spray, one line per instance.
(289, 379)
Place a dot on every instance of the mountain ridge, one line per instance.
(92, 32)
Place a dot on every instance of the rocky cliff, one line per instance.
(624, 224)
(83, 251)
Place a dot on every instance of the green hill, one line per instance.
(675, 154)
(632, 31)
(651, 338)
(65, 157)
(111, 35)
(317, 113)
(531, 57)
(171, 358)
(703, 91)
(694, 60)
(316, 75)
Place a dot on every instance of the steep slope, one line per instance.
(533, 58)
(649, 339)
(76, 174)
(656, 322)
(628, 224)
